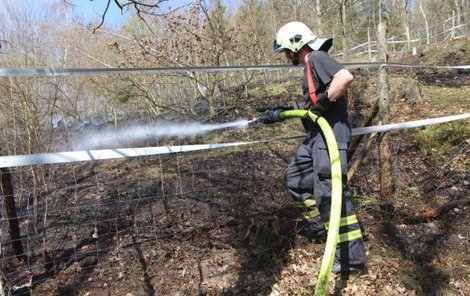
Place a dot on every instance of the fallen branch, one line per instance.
(436, 212)
(360, 159)
(444, 208)
(367, 122)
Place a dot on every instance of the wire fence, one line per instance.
(141, 224)
(448, 30)
(87, 214)
(99, 224)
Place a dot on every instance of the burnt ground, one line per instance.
(221, 222)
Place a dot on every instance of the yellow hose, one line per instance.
(336, 196)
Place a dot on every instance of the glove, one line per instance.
(272, 115)
(323, 104)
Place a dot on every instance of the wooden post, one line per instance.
(386, 176)
(408, 38)
(10, 211)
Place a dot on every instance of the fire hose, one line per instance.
(336, 195)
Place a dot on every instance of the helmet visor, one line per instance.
(277, 48)
(323, 44)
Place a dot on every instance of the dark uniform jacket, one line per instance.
(324, 67)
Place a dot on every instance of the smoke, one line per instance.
(129, 135)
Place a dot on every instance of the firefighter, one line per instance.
(308, 176)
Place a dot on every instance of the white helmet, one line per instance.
(295, 35)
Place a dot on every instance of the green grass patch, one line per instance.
(443, 141)
(439, 96)
(275, 89)
(367, 203)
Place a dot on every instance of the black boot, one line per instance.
(312, 231)
(349, 268)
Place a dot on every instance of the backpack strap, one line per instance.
(311, 84)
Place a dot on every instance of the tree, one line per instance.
(140, 7)
(10, 210)
(385, 156)
(425, 22)
(200, 35)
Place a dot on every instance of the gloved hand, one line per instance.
(272, 115)
(323, 104)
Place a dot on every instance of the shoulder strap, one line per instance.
(311, 85)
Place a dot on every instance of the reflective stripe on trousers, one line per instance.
(308, 178)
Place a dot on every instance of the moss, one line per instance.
(443, 141)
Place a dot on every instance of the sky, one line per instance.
(93, 10)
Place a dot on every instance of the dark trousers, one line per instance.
(308, 180)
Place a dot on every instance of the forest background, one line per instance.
(199, 33)
(220, 222)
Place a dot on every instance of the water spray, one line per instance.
(111, 137)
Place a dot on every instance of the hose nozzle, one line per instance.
(269, 116)
(258, 119)
(253, 121)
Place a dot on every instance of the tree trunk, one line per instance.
(380, 13)
(318, 20)
(452, 35)
(425, 21)
(385, 158)
(358, 139)
(457, 7)
(10, 211)
(361, 157)
(343, 23)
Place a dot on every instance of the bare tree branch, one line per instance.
(104, 15)
(140, 6)
(4, 41)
